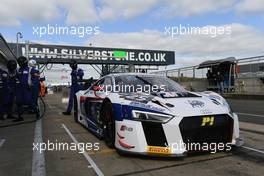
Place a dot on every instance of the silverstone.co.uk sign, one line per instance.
(95, 55)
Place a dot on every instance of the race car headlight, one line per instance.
(149, 116)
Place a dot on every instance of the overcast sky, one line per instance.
(141, 24)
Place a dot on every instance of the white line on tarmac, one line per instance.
(38, 159)
(255, 115)
(2, 141)
(88, 158)
(255, 150)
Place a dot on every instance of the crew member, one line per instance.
(220, 81)
(43, 88)
(34, 85)
(209, 77)
(11, 93)
(23, 93)
(76, 84)
(3, 89)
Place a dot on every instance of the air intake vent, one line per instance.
(215, 101)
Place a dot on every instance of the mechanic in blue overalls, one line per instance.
(23, 92)
(34, 85)
(3, 89)
(76, 84)
(12, 87)
(8, 81)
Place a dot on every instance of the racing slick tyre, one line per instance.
(108, 124)
(75, 110)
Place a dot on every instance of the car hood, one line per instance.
(195, 106)
(199, 104)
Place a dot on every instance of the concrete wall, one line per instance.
(249, 86)
(195, 85)
(242, 85)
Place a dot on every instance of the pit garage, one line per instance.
(225, 67)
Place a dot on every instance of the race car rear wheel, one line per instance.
(108, 124)
(75, 110)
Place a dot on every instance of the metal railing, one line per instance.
(251, 68)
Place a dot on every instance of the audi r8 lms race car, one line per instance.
(153, 115)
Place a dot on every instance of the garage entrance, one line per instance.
(222, 70)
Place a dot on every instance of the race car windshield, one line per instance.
(160, 83)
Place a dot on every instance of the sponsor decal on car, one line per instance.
(196, 103)
(207, 121)
(121, 139)
(206, 111)
(125, 128)
(136, 97)
(158, 150)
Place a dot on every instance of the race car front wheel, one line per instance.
(108, 124)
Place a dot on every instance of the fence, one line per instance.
(250, 67)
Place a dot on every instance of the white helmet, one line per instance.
(32, 63)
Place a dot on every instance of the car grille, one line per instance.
(194, 131)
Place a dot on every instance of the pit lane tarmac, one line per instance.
(18, 158)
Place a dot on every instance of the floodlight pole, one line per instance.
(18, 35)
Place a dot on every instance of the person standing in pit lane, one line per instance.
(76, 84)
(43, 88)
(220, 82)
(11, 93)
(23, 93)
(34, 85)
(8, 82)
(3, 89)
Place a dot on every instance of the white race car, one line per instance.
(153, 115)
